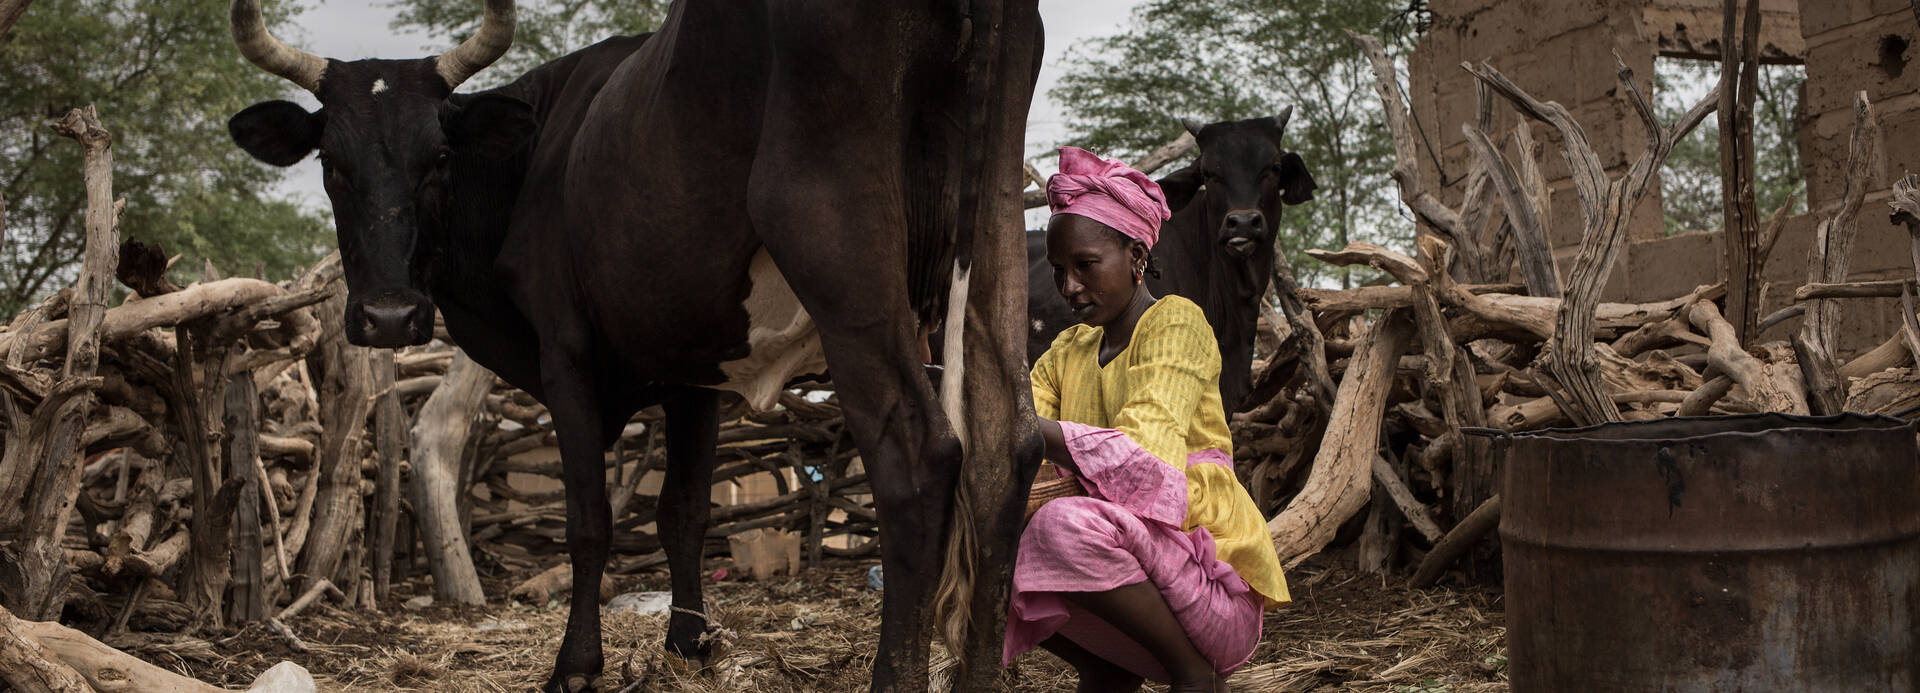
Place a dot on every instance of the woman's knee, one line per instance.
(1077, 519)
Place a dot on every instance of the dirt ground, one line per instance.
(817, 632)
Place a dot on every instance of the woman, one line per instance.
(1163, 569)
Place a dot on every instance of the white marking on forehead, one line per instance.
(379, 85)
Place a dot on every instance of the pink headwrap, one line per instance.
(1108, 192)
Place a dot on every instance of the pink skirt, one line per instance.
(1126, 530)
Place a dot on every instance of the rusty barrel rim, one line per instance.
(1733, 425)
(1663, 477)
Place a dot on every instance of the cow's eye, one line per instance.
(442, 157)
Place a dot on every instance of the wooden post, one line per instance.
(439, 439)
(817, 508)
(390, 441)
(247, 603)
(1379, 545)
(344, 386)
(1740, 233)
(197, 367)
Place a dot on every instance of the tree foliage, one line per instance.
(545, 29)
(165, 76)
(1214, 60)
(1690, 182)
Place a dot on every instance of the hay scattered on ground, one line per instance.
(819, 632)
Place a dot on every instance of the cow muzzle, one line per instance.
(1241, 230)
(390, 320)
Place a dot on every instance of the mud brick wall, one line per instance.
(1562, 50)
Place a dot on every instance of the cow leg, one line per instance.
(693, 425)
(914, 461)
(572, 400)
(835, 253)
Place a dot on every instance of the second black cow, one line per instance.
(1217, 250)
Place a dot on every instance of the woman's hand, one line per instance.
(1057, 445)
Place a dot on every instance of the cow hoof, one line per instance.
(572, 683)
(690, 649)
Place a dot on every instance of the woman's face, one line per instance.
(1092, 267)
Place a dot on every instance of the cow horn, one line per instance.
(1192, 126)
(1280, 121)
(262, 49)
(480, 50)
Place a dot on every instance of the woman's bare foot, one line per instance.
(1096, 675)
(1212, 685)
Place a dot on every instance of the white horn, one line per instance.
(484, 47)
(262, 49)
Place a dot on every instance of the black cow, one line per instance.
(1217, 250)
(679, 219)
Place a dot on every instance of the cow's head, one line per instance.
(386, 136)
(1247, 174)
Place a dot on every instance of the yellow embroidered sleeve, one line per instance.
(1170, 366)
(1046, 386)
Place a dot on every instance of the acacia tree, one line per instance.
(545, 29)
(1214, 60)
(167, 73)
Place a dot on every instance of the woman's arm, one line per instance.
(1057, 452)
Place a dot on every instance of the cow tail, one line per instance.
(953, 600)
(952, 606)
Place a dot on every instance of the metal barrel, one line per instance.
(1740, 553)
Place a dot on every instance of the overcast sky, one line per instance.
(353, 29)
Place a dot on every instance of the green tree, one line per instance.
(166, 77)
(1214, 60)
(1690, 182)
(544, 29)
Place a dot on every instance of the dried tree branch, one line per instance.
(1607, 207)
(1769, 389)
(439, 436)
(10, 11)
(1404, 499)
(1906, 211)
(52, 456)
(1457, 542)
(1524, 211)
(1338, 485)
(28, 667)
(1827, 263)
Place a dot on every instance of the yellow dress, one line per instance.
(1163, 392)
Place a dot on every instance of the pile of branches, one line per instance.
(1374, 429)
(322, 462)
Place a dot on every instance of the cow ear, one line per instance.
(491, 125)
(1180, 187)
(1296, 182)
(277, 132)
